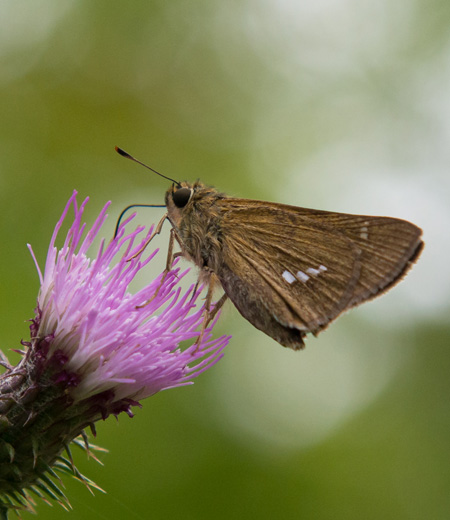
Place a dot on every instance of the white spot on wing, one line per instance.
(315, 272)
(303, 277)
(289, 277)
(364, 233)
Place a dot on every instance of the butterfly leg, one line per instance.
(156, 231)
(197, 283)
(209, 314)
(170, 258)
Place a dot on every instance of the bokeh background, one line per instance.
(332, 104)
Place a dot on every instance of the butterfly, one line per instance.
(288, 270)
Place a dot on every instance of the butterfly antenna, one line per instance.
(119, 220)
(123, 153)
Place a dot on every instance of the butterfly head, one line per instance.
(180, 195)
(185, 200)
(178, 198)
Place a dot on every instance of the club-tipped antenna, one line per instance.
(123, 153)
(119, 220)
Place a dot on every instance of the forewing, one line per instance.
(304, 273)
(307, 266)
(388, 246)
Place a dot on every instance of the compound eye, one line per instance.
(181, 197)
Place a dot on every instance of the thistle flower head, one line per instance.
(96, 349)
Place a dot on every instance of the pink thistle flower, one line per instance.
(95, 350)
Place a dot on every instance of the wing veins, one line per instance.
(338, 304)
(305, 323)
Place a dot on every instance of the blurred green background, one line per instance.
(340, 105)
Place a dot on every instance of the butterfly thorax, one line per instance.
(197, 224)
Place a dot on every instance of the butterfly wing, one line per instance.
(388, 246)
(291, 270)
